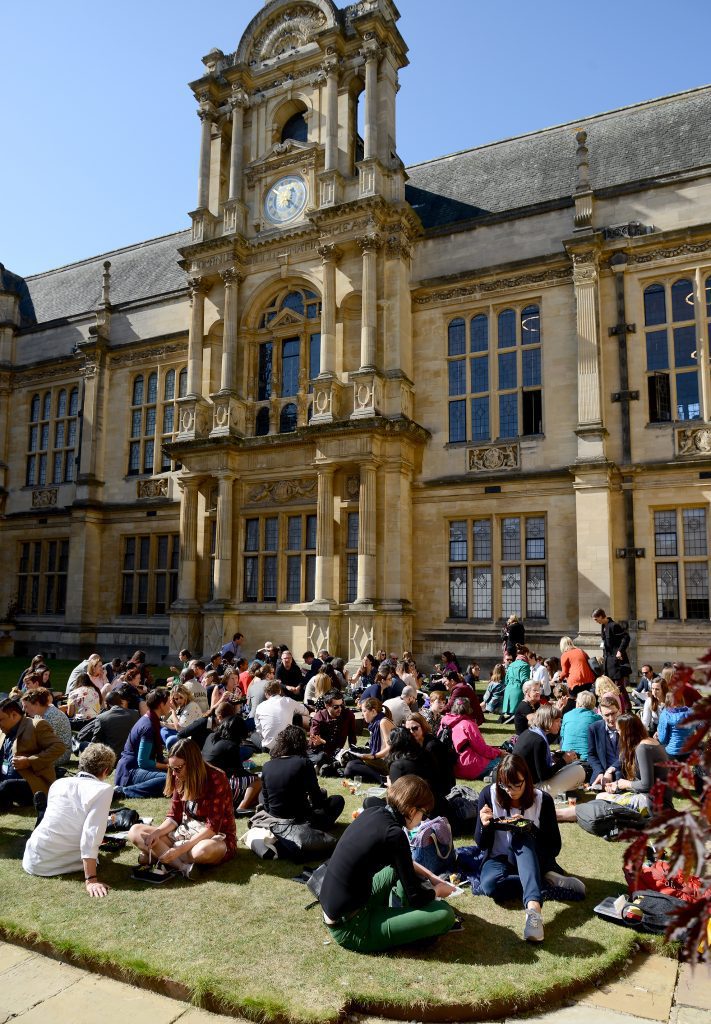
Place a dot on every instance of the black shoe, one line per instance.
(40, 804)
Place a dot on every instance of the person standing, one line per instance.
(514, 635)
(615, 641)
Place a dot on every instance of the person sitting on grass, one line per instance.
(84, 702)
(292, 804)
(575, 725)
(655, 702)
(434, 712)
(493, 699)
(331, 730)
(532, 693)
(141, 769)
(38, 704)
(183, 711)
(28, 751)
(200, 826)
(475, 758)
(72, 829)
(223, 750)
(372, 767)
(520, 858)
(553, 773)
(642, 762)
(373, 858)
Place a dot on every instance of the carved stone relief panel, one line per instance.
(490, 458)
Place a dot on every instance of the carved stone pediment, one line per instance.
(45, 497)
(282, 155)
(282, 491)
(495, 457)
(694, 441)
(152, 488)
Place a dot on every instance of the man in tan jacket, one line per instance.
(28, 750)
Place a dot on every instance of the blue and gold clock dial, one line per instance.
(285, 200)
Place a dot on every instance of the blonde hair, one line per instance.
(497, 673)
(566, 644)
(179, 690)
(94, 664)
(586, 699)
(605, 685)
(322, 684)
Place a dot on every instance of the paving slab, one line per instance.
(33, 980)
(689, 1015)
(11, 955)
(196, 1016)
(694, 988)
(646, 990)
(579, 1014)
(96, 998)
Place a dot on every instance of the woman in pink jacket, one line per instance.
(475, 758)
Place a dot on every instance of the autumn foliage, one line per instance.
(685, 834)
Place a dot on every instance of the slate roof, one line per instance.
(137, 272)
(648, 140)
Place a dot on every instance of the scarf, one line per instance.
(374, 730)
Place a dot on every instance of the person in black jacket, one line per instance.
(372, 855)
(222, 749)
(517, 827)
(554, 773)
(514, 633)
(615, 641)
(531, 702)
(290, 789)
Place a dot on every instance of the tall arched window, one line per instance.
(153, 419)
(287, 419)
(671, 348)
(288, 353)
(296, 128)
(51, 449)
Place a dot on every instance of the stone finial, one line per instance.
(106, 285)
(582, 162)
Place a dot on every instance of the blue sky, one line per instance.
(100, 139)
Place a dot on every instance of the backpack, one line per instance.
(445, 738)
(606, 819)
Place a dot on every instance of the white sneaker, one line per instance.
(533, 929)
(566, 886)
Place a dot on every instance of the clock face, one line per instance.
(285, 200)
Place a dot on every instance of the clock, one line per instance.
(285, 200)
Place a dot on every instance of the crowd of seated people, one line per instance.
(192, 738)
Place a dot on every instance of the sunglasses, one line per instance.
(413, 728)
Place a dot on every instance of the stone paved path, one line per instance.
(37, 990)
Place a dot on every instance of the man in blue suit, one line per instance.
(604, 742)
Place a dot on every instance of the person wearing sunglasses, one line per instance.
(517, 827)
(200, 825)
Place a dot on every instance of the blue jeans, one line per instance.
(170, 736)
(144, 784)
(506, 881)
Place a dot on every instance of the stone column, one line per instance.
(371, 52)
(590, 428)
(369, 315)
(367, 526)
(206, 115)
(701, 346)
(331, 68)
(330, 256)
(187, 578)
(232, 279)
(323, 590)
(223, 538)
(198, 290)
(239, 101)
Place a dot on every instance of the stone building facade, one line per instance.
(361, 405)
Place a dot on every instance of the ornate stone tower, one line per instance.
(300, 344)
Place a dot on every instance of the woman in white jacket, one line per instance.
(72, 829)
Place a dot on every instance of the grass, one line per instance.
(240, 939)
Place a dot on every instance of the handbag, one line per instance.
(121, 819)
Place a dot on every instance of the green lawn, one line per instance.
(242, 935)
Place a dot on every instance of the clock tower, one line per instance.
(300, 342)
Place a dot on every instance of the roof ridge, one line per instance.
(578, 122)
(111, 252)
